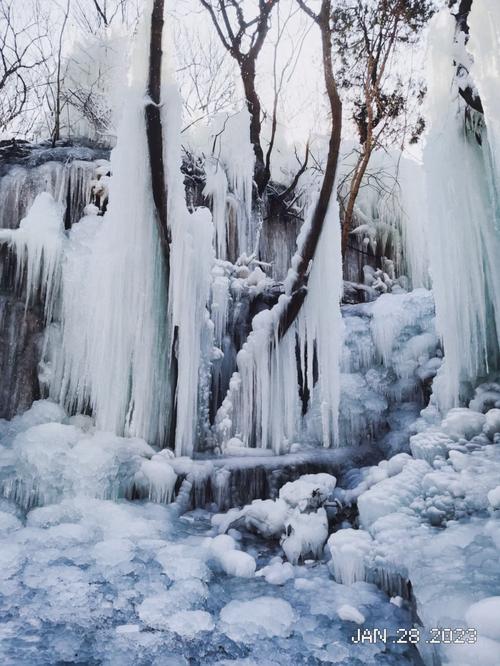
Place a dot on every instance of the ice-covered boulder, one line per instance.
(263, 617)
(156, 479)
(349, 549)
(277, 572)
(494, 497)
(492, 424)
(309, 491)
(430, 444)
(484, 616)
(350, 614)
(305, 535)
(393, 493)
(266, 517)
(463, 423)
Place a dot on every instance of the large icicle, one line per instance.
(484, 44)
(232, 151)
(192, 259)
(320, 327)
(114, 347)
(262, 407)
(463, 229)
(216, 191)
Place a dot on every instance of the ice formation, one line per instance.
(265, 374)
(232, 154)
(114, 349)
(220, 548)
(38, 245)
(114, 353)
(297, 516)
(216, 190)
(463, 210)
(133, 581)
(69, 181)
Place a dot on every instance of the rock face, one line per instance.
(67, 182)
(21, 333)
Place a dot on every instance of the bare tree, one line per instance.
(94, 16)
(154, 129)
(368, 35)
(56, 132)
(21, 50)
(244, 38)
(205, 77)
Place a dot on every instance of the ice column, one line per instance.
(463, 227)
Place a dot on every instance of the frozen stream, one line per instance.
(106, 582)
(110, 581)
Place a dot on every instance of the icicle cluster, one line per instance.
(463, 227)
(229, 185)
(38, 245)
(216, 190)
(114, 345)
(263, 407)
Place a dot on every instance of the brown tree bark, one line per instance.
(154, 129)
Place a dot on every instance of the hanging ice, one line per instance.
(38, 245)
(463, 228)
(484, 22)
(230, 169)
(216, 191)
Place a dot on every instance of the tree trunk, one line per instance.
(308, 250)
(154, 128)
(261, 174)
(353, 195)
(154, 132)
